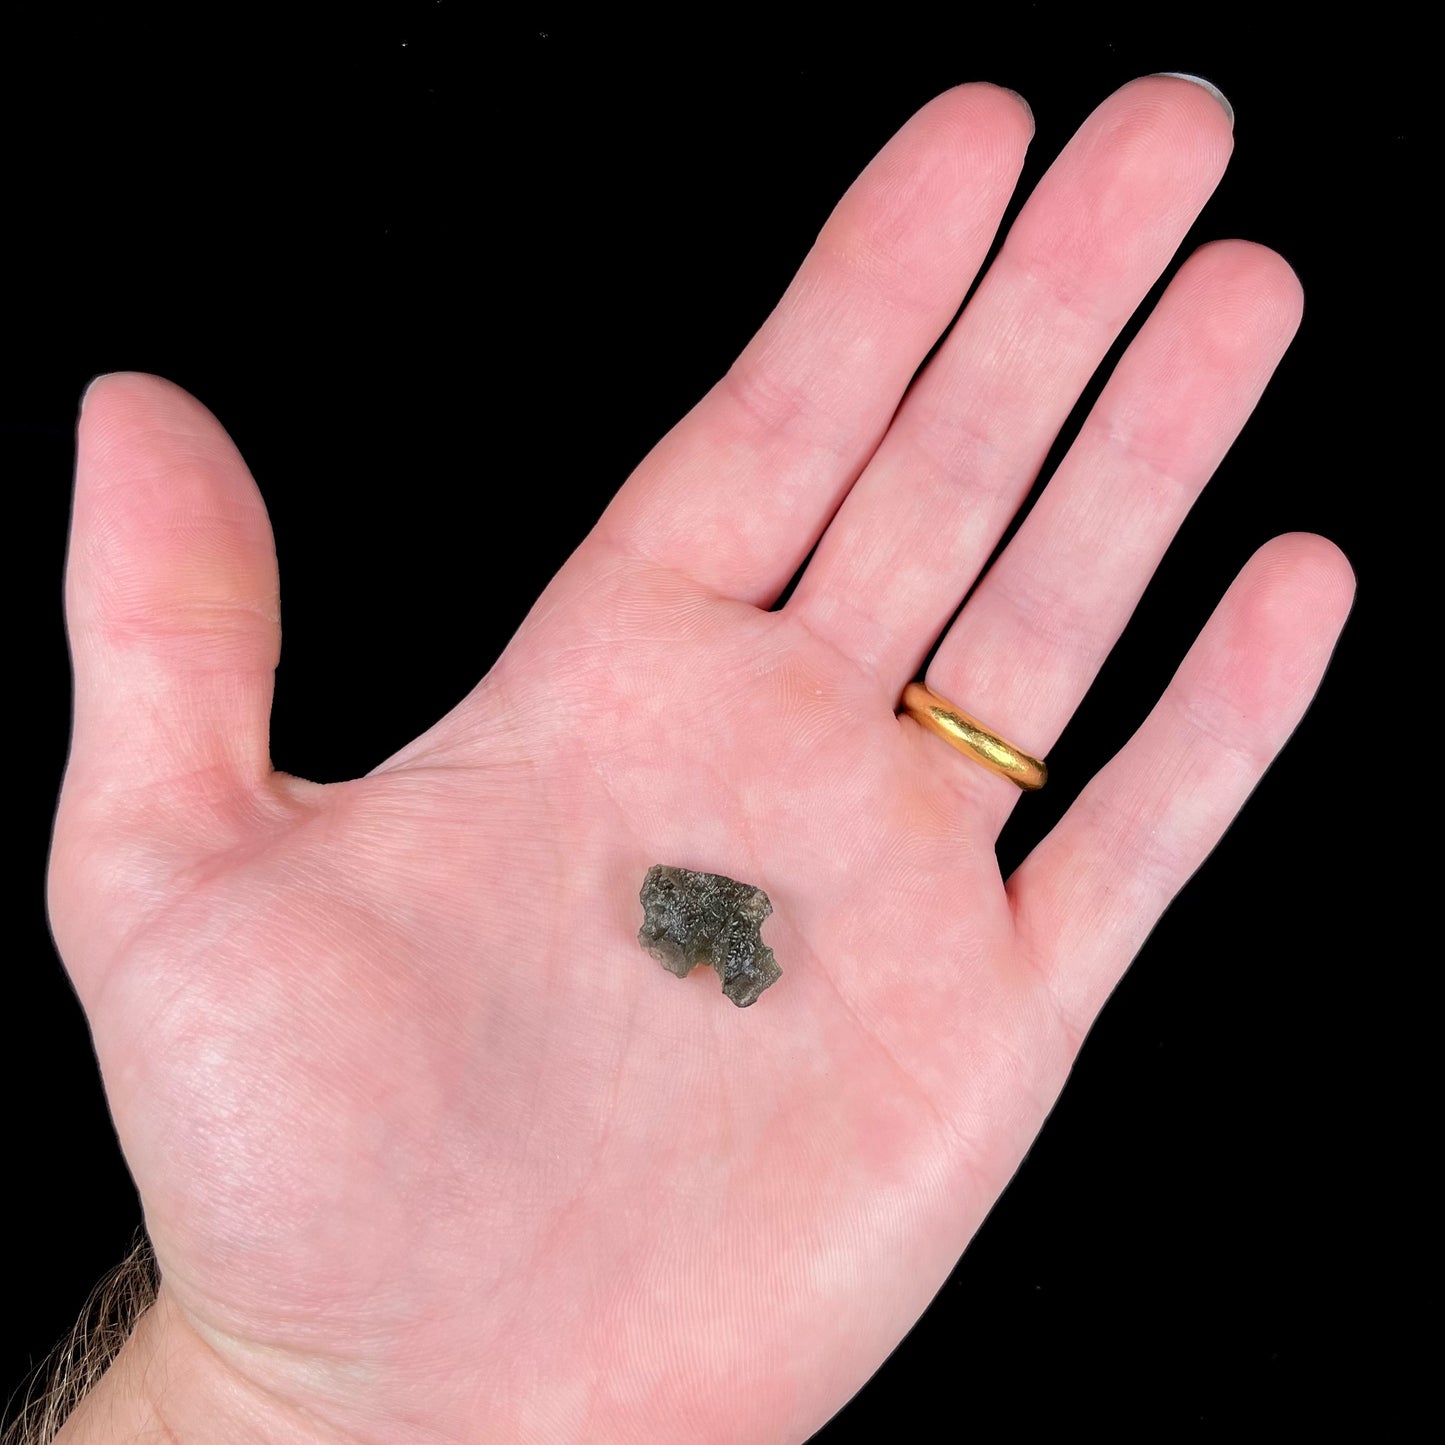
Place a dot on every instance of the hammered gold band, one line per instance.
(971, 738)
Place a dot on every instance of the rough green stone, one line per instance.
(696, 919)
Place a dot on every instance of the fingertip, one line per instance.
(106, 386)
(89, 387)
(1283, 276)
(1207, 86)
(1252, 293)
(1231, 258)
(1023, 105)
(1188, 107)
(934, 193)
(131, 422)
(1316, 571)
(112, 393)
(1018, 107)
(984, 104)
(1283, 618)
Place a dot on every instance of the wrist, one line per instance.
(167, 1383)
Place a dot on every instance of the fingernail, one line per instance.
(1203, 84)
(1028, 109)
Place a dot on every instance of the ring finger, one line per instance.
(1040, 624)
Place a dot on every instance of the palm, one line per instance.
(402, 1093)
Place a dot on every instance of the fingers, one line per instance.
(974, 430)
(739, 491)
(1027, 646)
(1089, 894)
(171, 598)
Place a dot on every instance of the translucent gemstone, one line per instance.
(695, 919)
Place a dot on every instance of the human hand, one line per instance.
(369, 1134)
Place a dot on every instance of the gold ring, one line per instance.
(971, 738)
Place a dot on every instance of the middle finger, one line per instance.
(974, 429)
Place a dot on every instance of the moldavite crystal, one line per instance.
(693, 919)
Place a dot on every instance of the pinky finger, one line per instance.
(1087, 897)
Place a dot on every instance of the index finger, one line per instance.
(738, 492)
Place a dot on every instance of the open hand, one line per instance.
(430, 1149)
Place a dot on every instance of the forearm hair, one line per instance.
(63, 1379)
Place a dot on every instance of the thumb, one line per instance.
(173, 614)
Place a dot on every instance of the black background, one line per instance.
(447, 281)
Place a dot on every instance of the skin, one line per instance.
(417, 1168)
